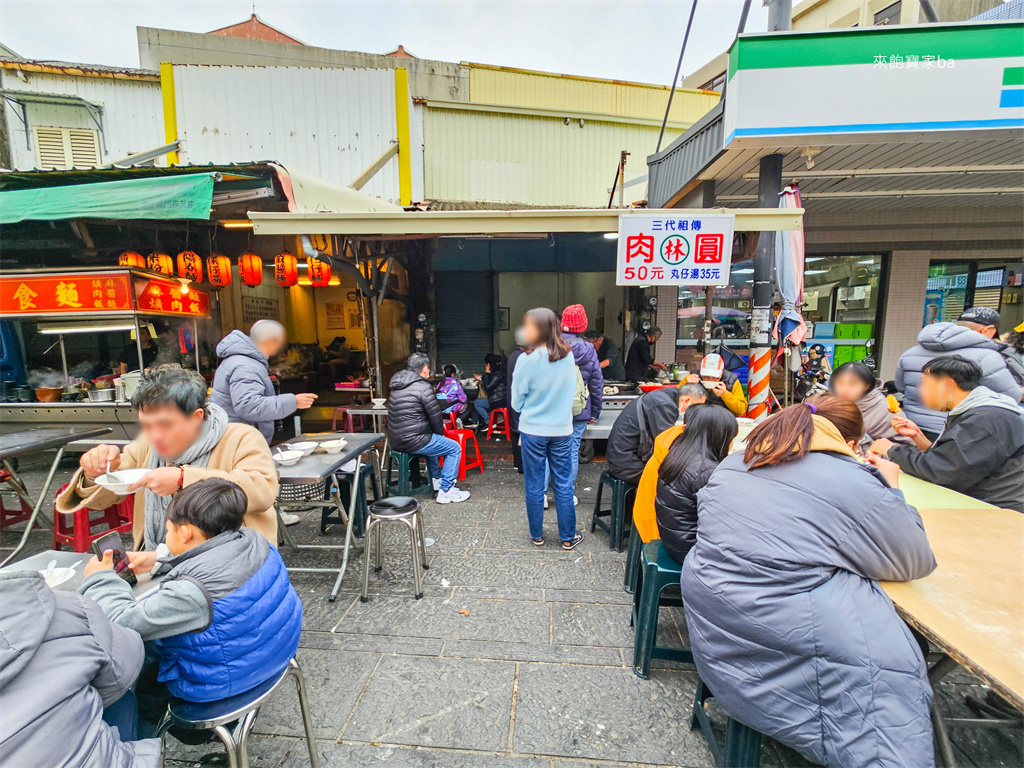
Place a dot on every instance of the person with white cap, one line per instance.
(724, 387)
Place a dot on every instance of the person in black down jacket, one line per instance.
(416, 425)
(494, 382)
(707, 434)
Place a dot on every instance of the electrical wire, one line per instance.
(675, 80)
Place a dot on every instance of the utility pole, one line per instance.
(769, 185)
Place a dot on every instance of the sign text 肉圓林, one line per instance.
(683, 249)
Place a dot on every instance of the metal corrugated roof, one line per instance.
(78, 70)
(675, 168)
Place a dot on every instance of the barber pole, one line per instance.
(757, 384)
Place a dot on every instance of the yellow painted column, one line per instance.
(170, 109)
(404, 142)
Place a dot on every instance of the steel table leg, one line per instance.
(353, 498)
(38, 505)
(936, 672)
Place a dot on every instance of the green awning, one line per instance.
(160, 198)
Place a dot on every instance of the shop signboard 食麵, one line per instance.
(674, 249)
(66, 293)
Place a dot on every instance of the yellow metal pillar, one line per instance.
(170, 109)
(404, 142)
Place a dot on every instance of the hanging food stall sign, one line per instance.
(666, 249)
(155, 296)
(72, 293)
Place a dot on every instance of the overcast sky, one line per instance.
(625, 40)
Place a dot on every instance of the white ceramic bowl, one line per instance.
(122, 480)
(378, 402)
(333, 446)
(287, 458)
(306, 447)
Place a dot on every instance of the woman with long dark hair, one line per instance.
(708, 432)
(542, 392)
(856, 382)
(787, 623)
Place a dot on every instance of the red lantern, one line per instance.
(131, 259)
(160, 262)
(250, 269)
(218, 270)
(286, 269)
(190, 266)
(319, 272)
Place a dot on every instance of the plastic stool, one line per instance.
(346, 482)
(621, 505)
(404, 486)
(405, 510)
(13, 515)
(503, 427)
(79, 534)
(632, 560)
(348, 420)
(463, 437)
(742, 747)
(659, 571)
(243, 707)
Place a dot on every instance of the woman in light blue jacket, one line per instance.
(542, 393)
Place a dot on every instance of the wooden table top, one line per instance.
(972, 605)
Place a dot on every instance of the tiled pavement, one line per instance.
(516, 657)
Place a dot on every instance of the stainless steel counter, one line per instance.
(119, 417)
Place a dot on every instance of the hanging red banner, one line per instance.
(71, 292)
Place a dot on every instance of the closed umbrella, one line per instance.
(790, 329)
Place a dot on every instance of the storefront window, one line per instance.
(954, 285)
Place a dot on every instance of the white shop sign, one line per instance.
(663, 249)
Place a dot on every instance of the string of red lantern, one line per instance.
(286, 269)
(160, 262)
(250, 269)
(218, 270)
(131, 259)
(319, 272)
(190, 266)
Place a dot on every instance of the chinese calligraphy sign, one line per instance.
(674, 249)
(78, 292)
(156, 296)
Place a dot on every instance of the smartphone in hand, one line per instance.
(112, 542)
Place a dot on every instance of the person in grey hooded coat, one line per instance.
(788, 626)
(61, 663)
(939, 340)
(242, 386)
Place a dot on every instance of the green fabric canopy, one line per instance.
(187, 196)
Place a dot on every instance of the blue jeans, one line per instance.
(539, 454)
(438, 446)
(577, 437)
(482, 408)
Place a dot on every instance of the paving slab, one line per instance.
(540, 652)
(555, 571)
(334, 680)
(436, 703)
(607, 714)
(451, 618)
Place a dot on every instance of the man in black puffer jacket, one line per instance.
(416, 425)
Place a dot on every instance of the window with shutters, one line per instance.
(66, 147)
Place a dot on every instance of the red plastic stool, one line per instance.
(80, 535)
(348, 421)
(503, 427)
(462, 437)
(13, 515)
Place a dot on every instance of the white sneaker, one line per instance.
(289, 519)
(575, 501)
(452, 496)
(437, 483)
(546, 502)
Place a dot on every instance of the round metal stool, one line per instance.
(403, 509)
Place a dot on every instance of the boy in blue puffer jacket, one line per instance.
(225, 618)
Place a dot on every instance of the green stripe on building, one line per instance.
(1013, 76)
(816, 49)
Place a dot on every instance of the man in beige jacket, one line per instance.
(184, 439)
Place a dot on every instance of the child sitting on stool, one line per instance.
(226, 618)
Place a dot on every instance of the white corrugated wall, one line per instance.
(333, 123)
(132, 113)
(514, 158)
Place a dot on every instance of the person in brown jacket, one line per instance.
(184, 439)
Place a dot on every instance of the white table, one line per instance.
(77, 560)
(318, 467)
